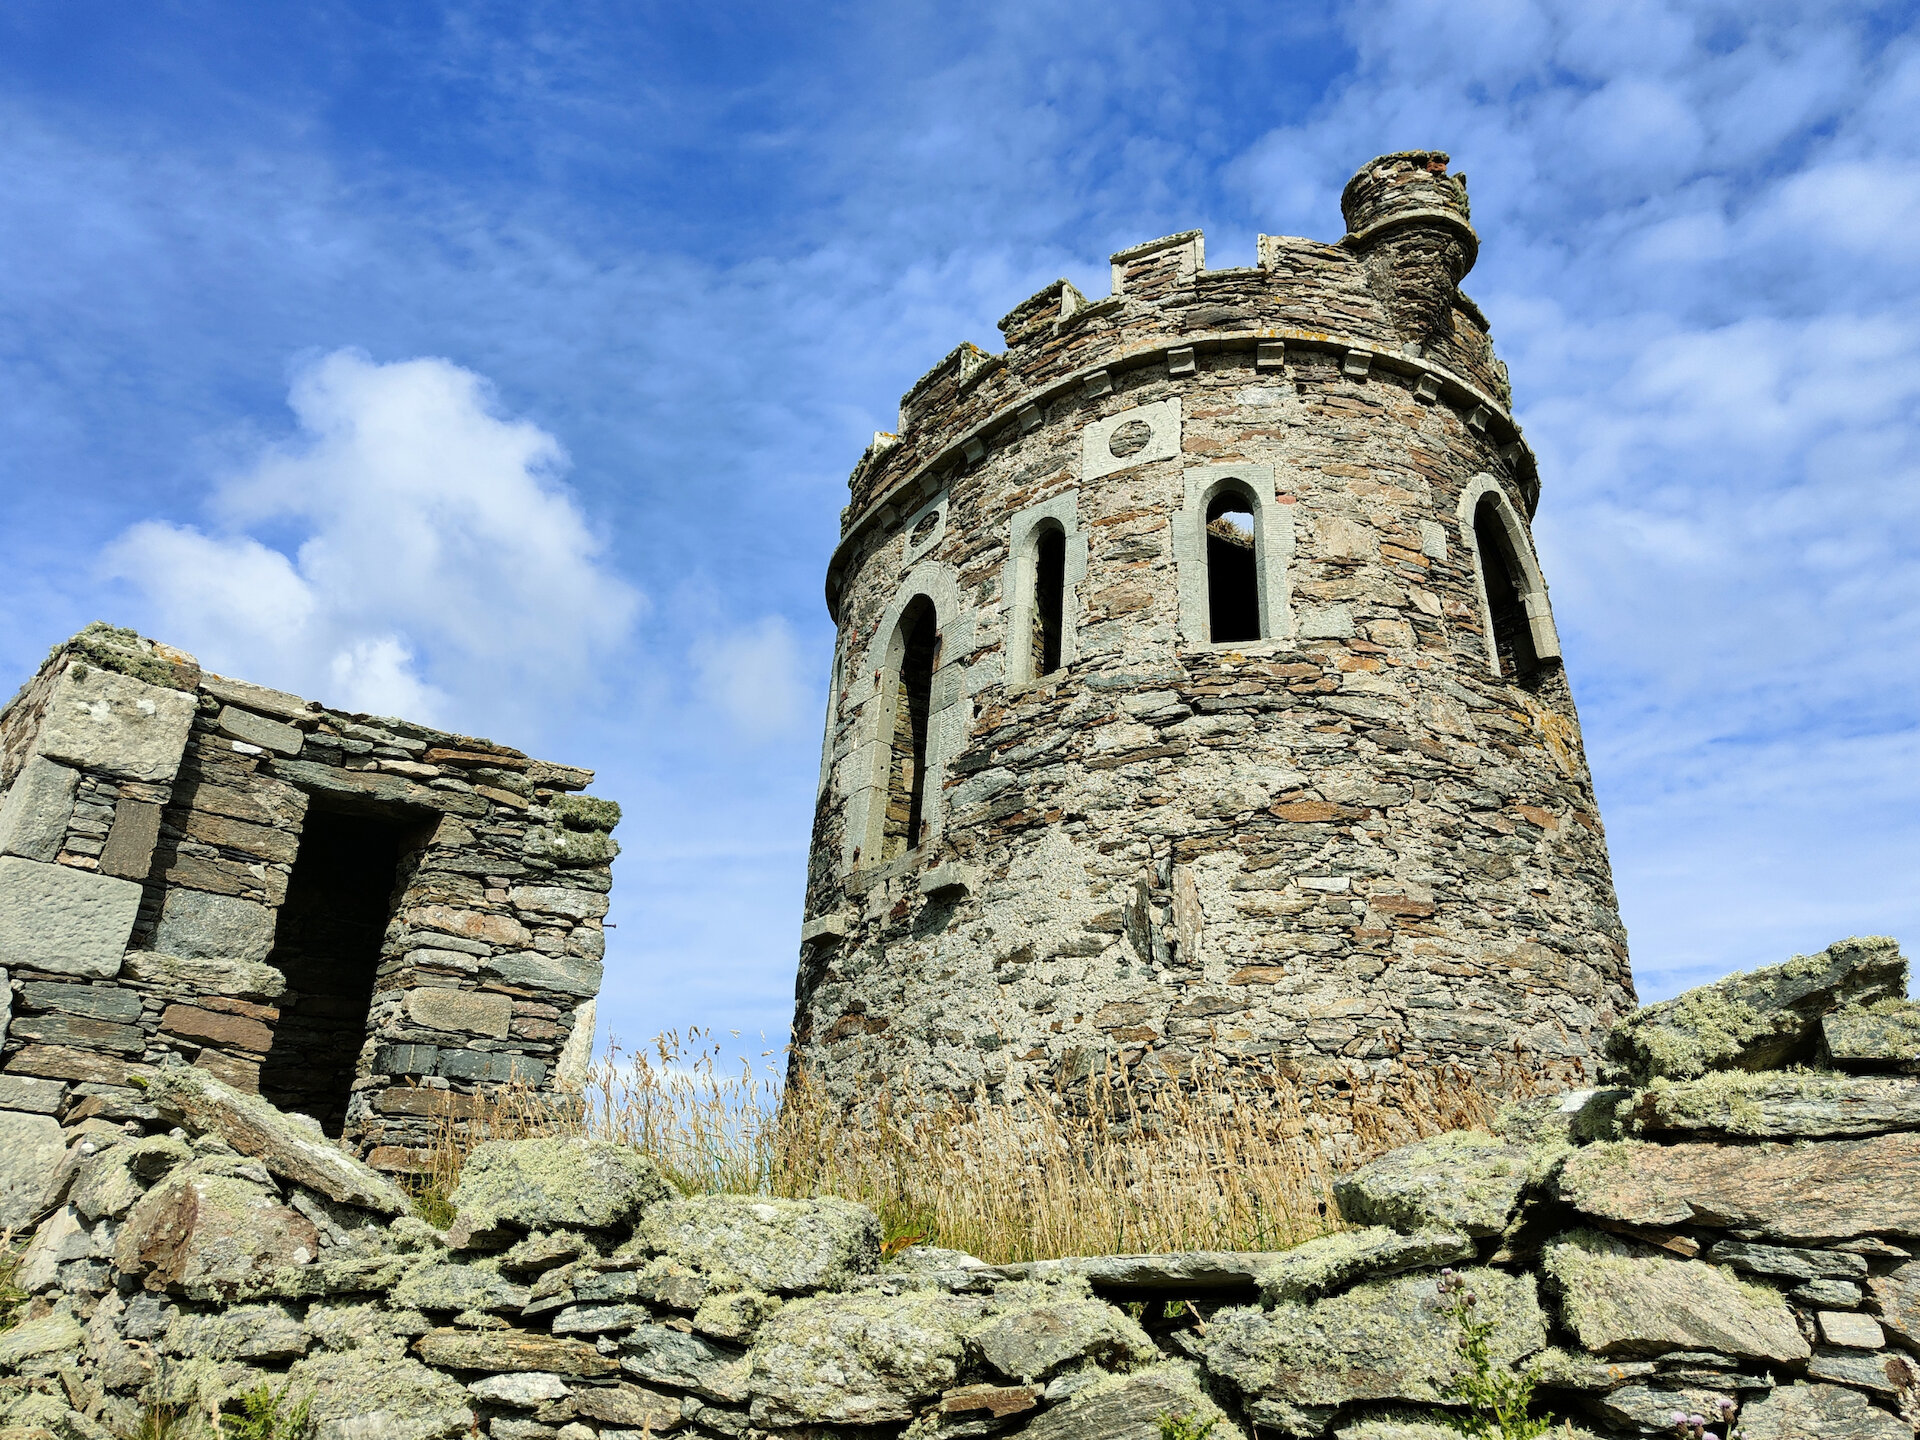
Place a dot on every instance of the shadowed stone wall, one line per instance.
(363, 918)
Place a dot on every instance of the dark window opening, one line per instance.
(1049, 598)
(907, 775)
(1500, 571)
(1233, 583)
(327, 944)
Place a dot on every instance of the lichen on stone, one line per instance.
(585, 812)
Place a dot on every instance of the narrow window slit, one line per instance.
(1233, 587)
(906, 779)
(1501, 574)
(1049, 591)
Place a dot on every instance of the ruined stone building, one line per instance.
(1197, 687)
(360, 918)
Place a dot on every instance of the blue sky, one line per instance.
(503, 365)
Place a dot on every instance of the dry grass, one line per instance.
(1208, 1159)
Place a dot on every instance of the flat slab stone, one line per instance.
(1620, 1298)
(1757, 1021)
(1851, 1330)
(1819, 1412)
(1802, 1105)
(101, 720)
(1384, 1340)
(1178, 1272)
(206, 974)
(255, 1127)
(1035, 1344)
(1462, 1181)
(1819, 1191)
(502, 1351)
(1322, 1266)
(858, 1359)
(1787, 1262)
(1882, 1036)
(71, 922)
(560, 1181)
(1132, 1407)
(37, 807)
(362, 1393)
(31, 1149)
(1879, 1371)
(23, 1092)
(785, 1246)
(662, 1355)
(197, 923)
(1896, 1296)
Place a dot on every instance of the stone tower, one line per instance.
(1197, 688)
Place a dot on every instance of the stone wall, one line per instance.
(1715, 1236)
(1355, 844)
(364, 918)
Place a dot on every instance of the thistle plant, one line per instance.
(1497, 1399)
(1694, 1427)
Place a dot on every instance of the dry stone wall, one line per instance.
(367, 920)
(1738, 1244)
(1359, 842)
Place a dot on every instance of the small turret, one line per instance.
(1407, 221)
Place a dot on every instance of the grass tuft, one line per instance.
(1205, 1157)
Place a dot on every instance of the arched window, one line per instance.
(1233, 573)
(919, 657)
(1049, 596)
(1506, 583)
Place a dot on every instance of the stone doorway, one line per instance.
(328, 945)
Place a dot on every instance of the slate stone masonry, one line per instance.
(1364, 841)
(364, 919)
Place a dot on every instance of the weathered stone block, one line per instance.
(536, 1184)
(215, 1027)
(81, 1031)
(1884, 1035)
(254, 729)
(449, 1285)
(35, 812)
(1807, 1193)
(1384, 1340)
(1851, 1330)
(1462, 1181)
(858, 1359)
(130, 843)
(1133, 1407)
(567, 974)
(31, 1148)
(1787, 1262)
(1896, 1297)
(71, 922)
(779, 1245)
(1624, 1299)
(1819, 1412)
(99, 720)
(561, 900)
(195, 923)
(1778, 1107)
(473, 1011)
(491, 1066)
(208, 1235)
(291, 1148)
(56, 1334)
(1758, 1021)
(364, 1394)
(1330, 1262)
(36, 1097)
(660, 1355)
(206, 975)
(632, 1407)
(96, 1002)
(1035, 1344)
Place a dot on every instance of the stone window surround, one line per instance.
(1532, 584)
(1018, 580)
(949, 714)
(1273, 552)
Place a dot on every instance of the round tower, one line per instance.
(1197, 689)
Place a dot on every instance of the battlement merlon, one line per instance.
(1383, 302)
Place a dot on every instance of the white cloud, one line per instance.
(421, 556)
(754, 677)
